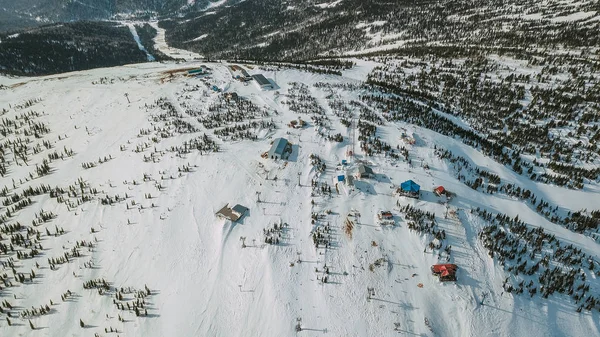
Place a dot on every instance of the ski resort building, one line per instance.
(231, 96)
(440, 190)
(409, 189)
(385, 215)
(297, 124)
(262, 81)
(239, 73)
(195, 71)
(349, 180)
(445, 272)
(364, 172)
(234, 214)
(280, 149)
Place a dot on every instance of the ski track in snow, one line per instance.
(136, 37)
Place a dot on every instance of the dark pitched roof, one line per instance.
(364, 169)
(233, 214)
(261, 79)
(239, 209)
(278, 147)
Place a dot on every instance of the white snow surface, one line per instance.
(161, 44)
(204, 282)
(200, 37)
(328, 4)
(574, 16)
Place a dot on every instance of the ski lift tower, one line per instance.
(350, 150)
(353, 135)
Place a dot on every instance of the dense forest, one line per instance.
(278, 30)
(68, 47)
(19, 14)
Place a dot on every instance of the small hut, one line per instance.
(439, 191)
(364, 171)
(233, 214)
(445, 272)
(409, 189)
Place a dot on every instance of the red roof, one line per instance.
(440, 189)
(387, 215)
(444, 269)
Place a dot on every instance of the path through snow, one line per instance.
(136, 37)
(160, 43)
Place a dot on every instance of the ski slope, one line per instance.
(160, 43)
(202, 281)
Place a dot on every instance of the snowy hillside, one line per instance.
(112, 178)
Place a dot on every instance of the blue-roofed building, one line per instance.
(340, 178)
(280, 149)
(410, 189)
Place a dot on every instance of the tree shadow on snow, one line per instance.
(318, 330)
(464, 278)
(387, 301)
(411, 333)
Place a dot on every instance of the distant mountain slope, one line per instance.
(68, 47)
(16, 14)
(10, 21)
(275, 29)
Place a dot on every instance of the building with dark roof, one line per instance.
(280, 149)
(364, 171)
(234, 214)
(262, 81)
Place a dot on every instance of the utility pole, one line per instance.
(127, 96)
(299, 174)
(257, 196)
(353, 131)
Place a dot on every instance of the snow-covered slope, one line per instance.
(152, 219)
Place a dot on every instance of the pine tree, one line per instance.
(31, 325)
(81, 324)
